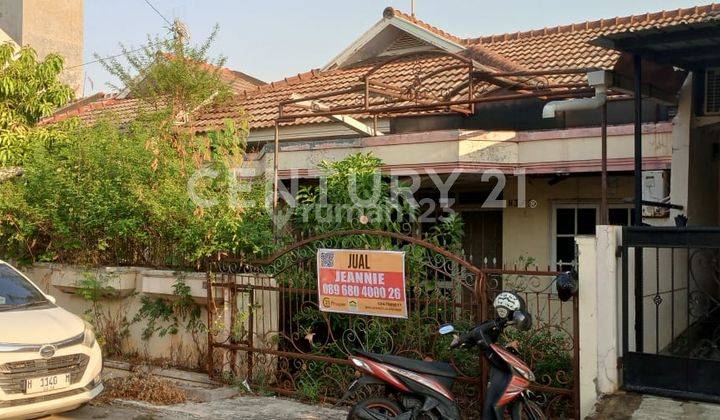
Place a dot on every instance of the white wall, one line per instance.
(600, 315)
(588, 324)
(130, 283)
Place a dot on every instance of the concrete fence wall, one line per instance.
(129, 284)
(600, 312)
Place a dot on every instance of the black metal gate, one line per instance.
(671, 311)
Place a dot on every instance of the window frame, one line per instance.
(575, 206)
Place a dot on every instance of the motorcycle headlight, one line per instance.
(88, 336)
(360, 364)
(525, 373)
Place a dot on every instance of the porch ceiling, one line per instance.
(690, 45)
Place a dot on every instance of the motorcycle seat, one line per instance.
(442, 369)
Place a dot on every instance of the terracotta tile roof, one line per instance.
(237, 80)
(566, 46)
(122, 110)
(261, 105)
(390, 12)
(548, 48)
(95, 107)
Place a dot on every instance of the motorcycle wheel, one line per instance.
(377, 405)
(531, 411)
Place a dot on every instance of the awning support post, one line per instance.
(637, 60)
(639, 321)
(604, 212)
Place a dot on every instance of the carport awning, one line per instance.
(688, 45)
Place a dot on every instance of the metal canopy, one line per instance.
(373, 96)
(688, 45)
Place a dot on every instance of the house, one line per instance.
(125, 107)
(49, 26)
(432, 103)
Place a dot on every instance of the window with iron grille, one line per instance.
(712, 91)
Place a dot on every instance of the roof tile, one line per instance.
(542, 49)
(548, 48)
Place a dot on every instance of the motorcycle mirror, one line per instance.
(567, 285)
(522, 320)
(446, 329)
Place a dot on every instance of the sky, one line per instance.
(273, 39)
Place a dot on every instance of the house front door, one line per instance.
(483, 237)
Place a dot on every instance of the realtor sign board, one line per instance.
(363, 282)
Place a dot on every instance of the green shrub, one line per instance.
(548, 352)
(117, 193)
(107, 198)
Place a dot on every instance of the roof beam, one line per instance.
(624, 84)
(686, 52)
(350, 122)
(356, 125)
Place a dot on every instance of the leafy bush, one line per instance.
(357, 196)
(29, 90)
(107, 198)
(112, 194)
(111, 325)
(548, 352)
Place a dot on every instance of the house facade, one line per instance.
(402, 91)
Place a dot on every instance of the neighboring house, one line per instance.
(124, 108)
(504, 130)
(6, 38)
(49, 26)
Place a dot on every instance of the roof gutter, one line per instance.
(597, 79)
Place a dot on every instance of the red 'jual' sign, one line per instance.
(365, 282)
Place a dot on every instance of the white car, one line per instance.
(50, 361)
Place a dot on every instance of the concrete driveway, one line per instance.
(245, 407)
(629, 406)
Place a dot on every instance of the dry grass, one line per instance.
(144, 387)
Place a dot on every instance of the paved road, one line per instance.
(246, 407)
(620, 406)
(629, 406)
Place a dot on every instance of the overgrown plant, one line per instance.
(126, 193)
(548, 351)
(30, 89)
(356, 196)
(170, 316)
(171, 73)
(111, 325)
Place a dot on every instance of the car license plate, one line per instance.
(47, 383)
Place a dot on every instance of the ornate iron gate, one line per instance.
(671, 311)
(278, 340)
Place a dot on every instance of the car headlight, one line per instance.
(88, 336)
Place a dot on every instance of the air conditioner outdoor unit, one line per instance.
(712, 91)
